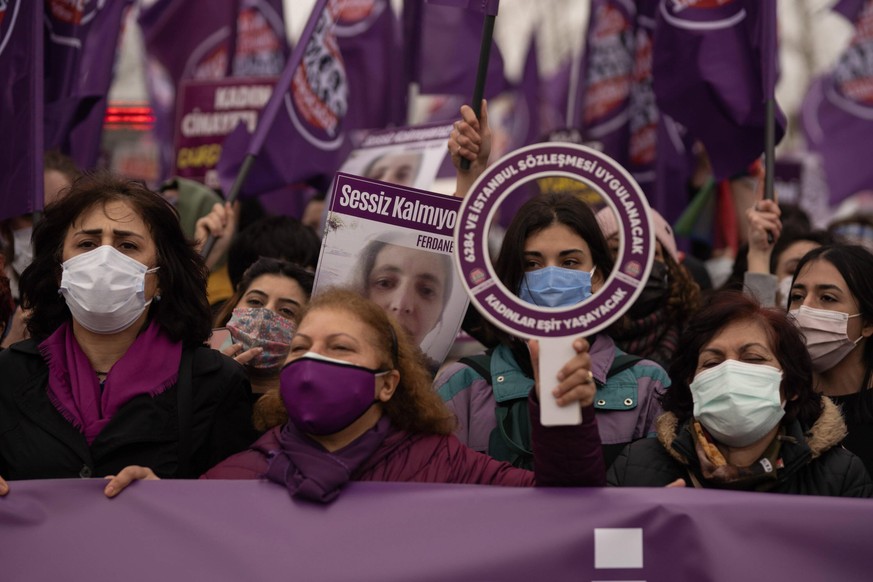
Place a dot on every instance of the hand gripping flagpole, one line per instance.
(482, 71)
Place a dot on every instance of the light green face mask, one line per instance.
(738, 403)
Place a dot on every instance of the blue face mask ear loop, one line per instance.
(525, 285)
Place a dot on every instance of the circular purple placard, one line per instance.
(562, 160)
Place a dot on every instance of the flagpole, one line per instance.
(482, 72)
(770, 149)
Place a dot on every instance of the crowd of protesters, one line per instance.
(114, 365)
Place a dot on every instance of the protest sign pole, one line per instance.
(482, 72)
(770, 54)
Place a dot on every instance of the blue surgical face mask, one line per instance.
(555, 286)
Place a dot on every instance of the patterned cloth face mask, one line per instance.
(260, 327)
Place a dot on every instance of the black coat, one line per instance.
(814, 464)
(37, 442)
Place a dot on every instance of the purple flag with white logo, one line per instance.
(81, 38)
(21, 107)
(205, 40)
(606, 76)
(837, 114)
(184, 39)
(301, 134)
(368, 36)
(711, 60)
(448, 36)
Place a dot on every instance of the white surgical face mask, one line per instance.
(826, 335)
(738, 403)
(104, 289)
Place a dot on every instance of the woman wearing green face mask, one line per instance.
(742, 413)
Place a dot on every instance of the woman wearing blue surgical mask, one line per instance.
(831, 301)
(115, 379)
(553, 254)
(358, 406)
(742, 413)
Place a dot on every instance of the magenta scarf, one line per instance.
(150, 366)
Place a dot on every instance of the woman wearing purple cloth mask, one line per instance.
(360, 408)
(553, 254)
(115, 380)
(831, 300)
(262, 317)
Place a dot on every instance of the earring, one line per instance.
(157, 297)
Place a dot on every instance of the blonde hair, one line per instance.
(415, 406)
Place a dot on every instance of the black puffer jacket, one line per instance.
(37, 442)
(814, 464)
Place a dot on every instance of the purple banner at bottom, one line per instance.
(252, 530)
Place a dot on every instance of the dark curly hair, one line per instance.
(786, 342)
(183, 312)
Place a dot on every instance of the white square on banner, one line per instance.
(618, 548)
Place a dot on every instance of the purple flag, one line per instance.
(607, 76)
(527, 98)
(396, 532)
(711, 60)
(850, 9)
(204, 40)
(21, 107)
(260, 45)
(368, 36)
(554, 97)
(80, 50)
(643, 111)
(448, 55)
(184, 39)
(837, 115)
(300, 135)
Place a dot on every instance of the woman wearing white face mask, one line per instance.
(832, 303)
(742, 413)
(115, 378)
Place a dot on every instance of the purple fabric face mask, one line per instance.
(324, 395)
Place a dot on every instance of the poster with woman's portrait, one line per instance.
(405, 156)
(394, 244)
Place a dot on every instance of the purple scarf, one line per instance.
(150, 366)
(310, 472)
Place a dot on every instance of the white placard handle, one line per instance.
(554, 353)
